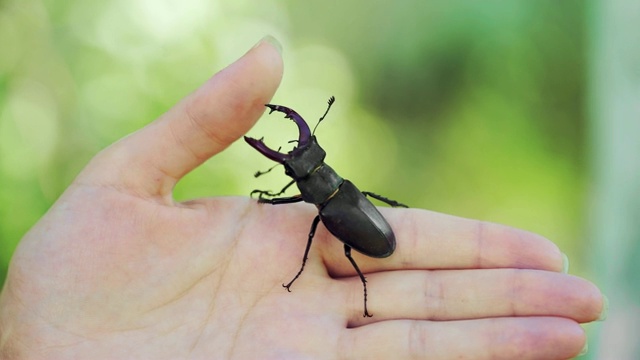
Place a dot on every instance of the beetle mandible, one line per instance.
(343, 209)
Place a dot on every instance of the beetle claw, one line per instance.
(265, 150)
(303, 128)
(272, 107)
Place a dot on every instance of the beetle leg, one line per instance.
(284, 188)
(282, 200)
(260, 173)
(263, 194)
(312, 232)
(347, 253)
(384, 199)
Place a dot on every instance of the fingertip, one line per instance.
(604, 312)
(273, 41)
(231, 101)
(585, 349)
(537, 252)
(565, 263)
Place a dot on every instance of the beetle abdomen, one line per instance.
(354, 220)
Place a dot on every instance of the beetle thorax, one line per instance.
(316, 180)
(304, 160)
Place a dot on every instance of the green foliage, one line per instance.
(471, 108)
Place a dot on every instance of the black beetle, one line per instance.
(344, 210)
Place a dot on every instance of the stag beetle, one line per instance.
(344, 210)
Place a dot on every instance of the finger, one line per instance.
(430, 240)
(494, 339)
(473, 294)
(152, 160)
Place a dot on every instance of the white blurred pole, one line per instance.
(615, 152)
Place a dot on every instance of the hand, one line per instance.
(117, 269)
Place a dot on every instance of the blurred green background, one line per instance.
(478, 109)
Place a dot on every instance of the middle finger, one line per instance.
(472, 294)
(430, 240)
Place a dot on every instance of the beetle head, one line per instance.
(304, 160)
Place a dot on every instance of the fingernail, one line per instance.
(605, 308)
(585, 349)
(271, 40)
(565, 263)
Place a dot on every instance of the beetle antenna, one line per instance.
(260, 173)
(332, 99)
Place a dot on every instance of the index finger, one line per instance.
(431, 240)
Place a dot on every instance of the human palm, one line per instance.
(117, 269)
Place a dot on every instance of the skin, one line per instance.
(118, 269)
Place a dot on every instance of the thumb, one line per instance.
(150, 161)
